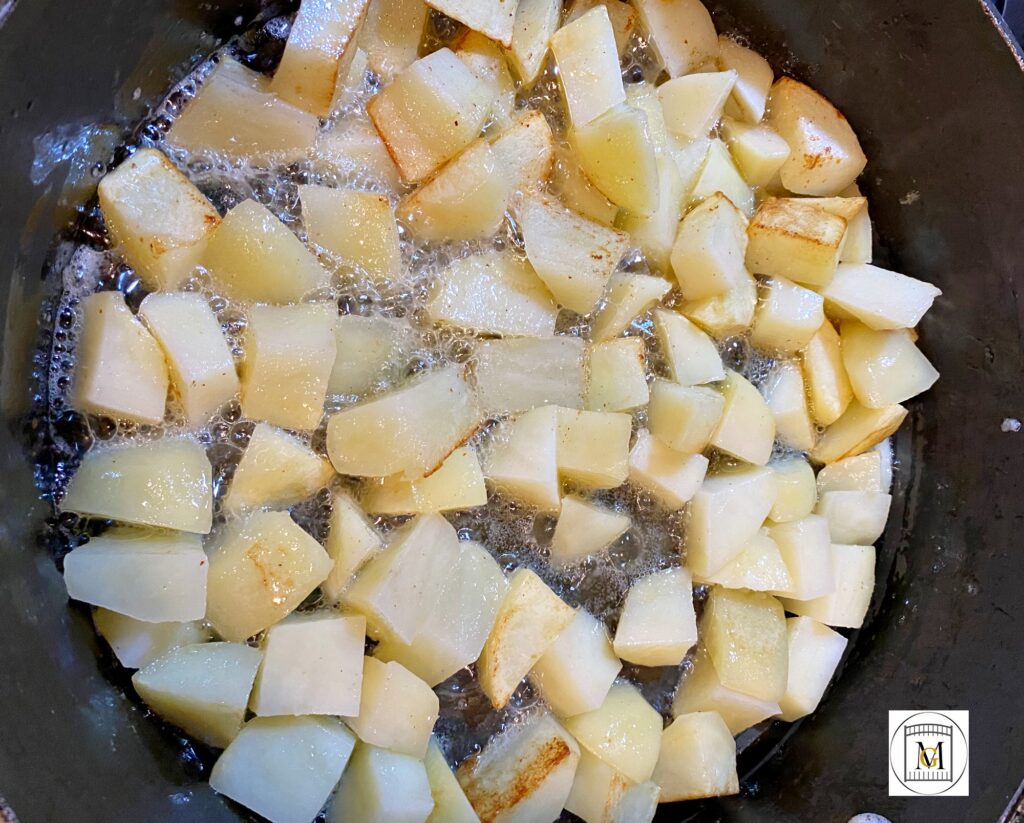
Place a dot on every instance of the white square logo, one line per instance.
(929, 753)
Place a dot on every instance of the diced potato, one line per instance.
(574, 189)
(691, 354)
(493, 293)
(693, 104)
(526, 150)
(354, 147)
(588, 67)
(312, 664)
(617, 378)
(156, 218)
(351, 83)
(284, 768)
(156, 577)
(719, 174)
(681, 32)
(884, 367)
(396, 710)
(616, 153)
(529, 619)
(700, 690)
(859, 243)
(758, 151)
(578, 668)
(628, 296)
(826, 155)
(745, 636)
(759, 567)
(457, 484)
(136, 643)
(351, 542)
(854, 568)
(804, 545)
(828, 385)
(320, 45)
(450, 803)
(400, 586)
(698, 758)
(857, 431)
(754, 79)
(638, 804)
(202, 688)
(814, 654)
(622, 15)
(370, 349)
(410, 430)
(452, 636)
(235, 114)
(488, 61)
(357, 227)
(430, 112)
(584, 529)
(860, 473)
(261, 569)
(707, 257)
(624, 732)
(644, 96)
(597, 789)
(725, 315)
(886, 458)
(253, 256)
(523, 459)
(795, 488)
(524, 774)
(746, 429)
(536, 21)
(493, 18)
(593, 448)
(167, 483)
(684, 417)
(658, 625)
(391, 35)
(670, 476)
(725, 514)
(795, 239)
(379, 786)
(787, 317)
(855, 517)
(465, 200)
(785, 395)
(289, 357)
(655, 234)
(574, 256)
(690, 157)
(518, 374)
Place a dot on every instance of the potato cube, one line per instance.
(410, 430)
(628, 296)
(529, 619)
(202, 689)
(523, 459)
(814, 654)
(575, 190)
(693, 104)
(136, 643)
(617, 378)
(860, 473)
(371, 350)
(707, 257)
(691, 157)
(312, 664)
(120, 371)
(578, 668)
(167, 483)
(795, 239)
(804, 545)
(536, 21)
(457, 484)
(859, 232)
(351, 542)
(658, 625)
(796, 492)
(681, 32)
(746, 429)
(720, 175)
(759, 567)
(854, 568)
(885, 367)
(828, 385)
(856, 431)
(526, 150)
(391, 35)
(758, 151)
(396, 710)
(787, 318)
(597, 789)
(879, 298)
(692, 356)
(624, 732)
(429, 113)
(518, 374)
(655, 234)
(754, 79)
(638, 804)
(700, 690)
(855, 517)
(684, 417)
(622, 15)
(156, 217)
(354, 147)
(450, 803)
(488, 62)
(493, 18)
(584, 529)
(493, 293)
(380, 786)
(886, 457)
(593, 448)
(671, 477)
(785, 395)
(588, 66)
(725, 315)
(698, 758)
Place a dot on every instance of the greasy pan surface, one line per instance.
(938, 100)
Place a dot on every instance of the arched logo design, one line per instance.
(928, 753)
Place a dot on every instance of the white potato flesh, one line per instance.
(284, 768)
(644, 96)
(719, 174)
(585, 529)
(828, 385)
(524, 774)
(452, 636)
(855, 517)
(167, 483)
(380, 786)
(593, 448)
(725, 514)
(289, 357)
(351, 542)
(120, 370)
(488, 61)
(691, 157)
(152, 576)
(536, 21)
(493, 293)
(429, 113)
(357, 227)
(261, 569)
(253, 256)
(658, 625)
(670, 477)
(353, 146)
(575, 190)
(411, 430)
(725, 315)
(758, 151)
(526, 150)
(814, 654)
(846, 607)
(698, 759)
(370, 350)
(618, 381)
(700, 690)
(136, 643)
(588, 66)
(628, 296)
(622, 15)
(624, 732)
(860, 473)
(692, 356)
(312, 664)
(522, 459)
(858, 430)
(518, 374)
(320, 45)
(859, 244)
(884, 367)
(745, 637)
(759, 567)
(747, 427)
(156, 218)
(399, 587)
(574, 256)
(655, 234)
(684, 417)
(681, 32)
(693, 104)
(804, 545)
(787, 318)
(530, 618)
(450, 803)
(396, 710)
(578, 668)
(754, 79)
(707, 257)
(201, 688)
(638, 804)
(493, 18)
(786, 397)
(792, 238)
(796, 491)
(886, 458)
(457, 484)
(391, 35)
(597, 789)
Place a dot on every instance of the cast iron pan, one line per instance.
(936, 93)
